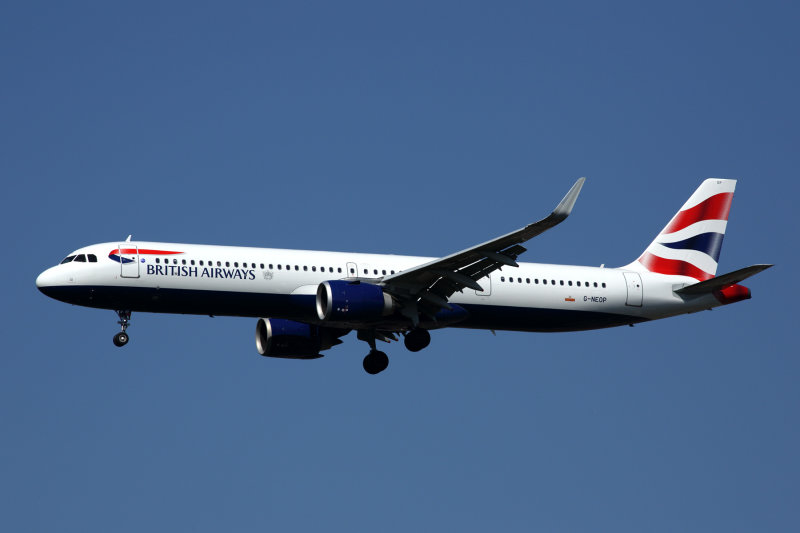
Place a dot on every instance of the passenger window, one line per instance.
(544, 281)
(536, 281)
(236, 264)
(227, 264)
(201, 262)
(604, 285)
(158, 260)
(92, 258)
(562, 282)
(68, 259)
(81, 259)
(552, 282)
(392, 272)
(595, 284)
(579, 284)
(365, 271)
(183, 261)
(279, 267)
(511, 280)
(570, 283)
(340, 270)
(519, 280)
(305, 268)
(375, 271)
(528, 281)
(296, 267)
(192, 262)
(502, 278)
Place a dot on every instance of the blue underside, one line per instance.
(302, 308)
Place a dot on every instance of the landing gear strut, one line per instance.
(376, 361)
(121, 338)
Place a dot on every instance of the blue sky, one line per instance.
(413, 128)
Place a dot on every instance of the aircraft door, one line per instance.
(486, 283)
(129, 260)
(633, 281)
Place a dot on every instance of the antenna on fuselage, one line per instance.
(129, 238)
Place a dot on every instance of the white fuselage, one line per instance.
(279, 283)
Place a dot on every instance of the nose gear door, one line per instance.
(129, 260)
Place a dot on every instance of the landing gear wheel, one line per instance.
(375, 362)
(417, 339)
(121, 339)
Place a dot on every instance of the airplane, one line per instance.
(305, 301)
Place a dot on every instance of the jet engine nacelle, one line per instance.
(288, 339)
(343, 301)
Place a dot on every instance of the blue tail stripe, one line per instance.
(708, 243)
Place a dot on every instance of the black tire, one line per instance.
(417, 339)
(376, 362)
(121, 339)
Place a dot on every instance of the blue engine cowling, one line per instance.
(288, 339)
(343, 301)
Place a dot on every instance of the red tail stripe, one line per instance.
(673, 267)
(715, 208)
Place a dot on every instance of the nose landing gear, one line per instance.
(121, 338)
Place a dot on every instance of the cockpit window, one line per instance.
(80, 259)
(68, 259)
(92, 258)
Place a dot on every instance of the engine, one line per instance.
(288, 339)
(343, 301)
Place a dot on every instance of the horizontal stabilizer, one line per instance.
(713, 284)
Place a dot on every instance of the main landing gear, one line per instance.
(417, 339)
(121, 338)
(376, 361)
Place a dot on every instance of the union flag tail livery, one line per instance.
(305, 301)
(690, 244)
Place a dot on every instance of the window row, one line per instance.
(245, 264)
(209, 263)
(553, 282)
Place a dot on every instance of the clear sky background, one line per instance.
(413, 128)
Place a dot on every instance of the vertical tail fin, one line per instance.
(690, 244)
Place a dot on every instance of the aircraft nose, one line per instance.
(45, 280)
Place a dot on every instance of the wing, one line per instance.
(426, 288)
